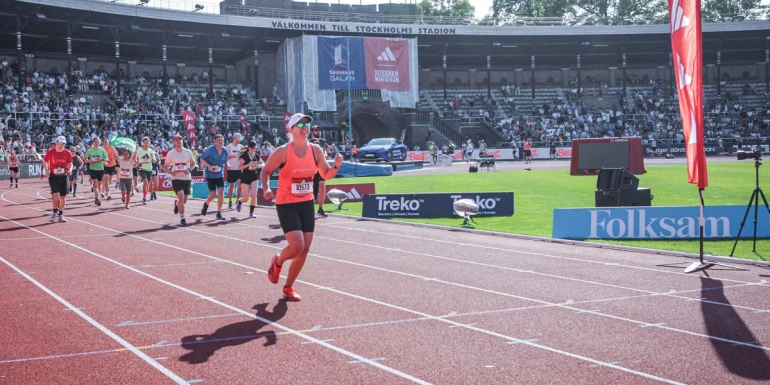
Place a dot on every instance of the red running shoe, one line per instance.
(290, 294)
(274, 273)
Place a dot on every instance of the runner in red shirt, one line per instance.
(57, 164)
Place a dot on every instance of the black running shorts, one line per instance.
(233, 176)
(181, 185)
(58, 184)
(296, 216)
(96, 174)
(215, 184)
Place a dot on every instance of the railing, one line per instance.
(384, 18)
(447, 130)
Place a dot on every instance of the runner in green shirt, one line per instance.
(146, 157)
(95, 158)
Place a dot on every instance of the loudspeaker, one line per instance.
(613, 179)
(473, 169)
(620, 198)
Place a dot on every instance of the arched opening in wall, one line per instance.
(367, 127)
(54, 70)
(439, 80)
(503, 81)
(146, 74)
(725, 76)
(458, 81)
(484, 81)
(645, 79)
(550, 80)
(746, 75)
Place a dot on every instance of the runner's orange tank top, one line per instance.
(295, 178)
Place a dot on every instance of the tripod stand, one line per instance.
(755, 200)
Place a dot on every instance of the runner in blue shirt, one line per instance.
(214, 163)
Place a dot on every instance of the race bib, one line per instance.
(58, 171)
(180, 167)
(145, 161)
(96, 159)
(125, 173)
(215, 168)
(301, 187)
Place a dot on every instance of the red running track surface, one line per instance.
(125, 296)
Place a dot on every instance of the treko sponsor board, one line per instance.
(657, 222)
(438, 205)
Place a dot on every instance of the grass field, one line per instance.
(537, 193)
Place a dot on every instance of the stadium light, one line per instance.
(135, 27)
(225, 34)
(198, 7)
(89, 27)
(143, 2)
(184, 35)
(252, 11)
(41, 15)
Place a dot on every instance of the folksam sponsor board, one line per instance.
(658, 222)
(438, 205)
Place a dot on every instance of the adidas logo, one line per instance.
(386, 55)
(353, 194)
(678, 19)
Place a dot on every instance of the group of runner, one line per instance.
(302, 169)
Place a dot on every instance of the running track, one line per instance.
(124, 296)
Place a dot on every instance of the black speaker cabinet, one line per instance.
(621, 198)
(616, 179)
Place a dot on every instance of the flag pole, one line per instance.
(350, 109)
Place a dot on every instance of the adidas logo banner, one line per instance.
(387, 64)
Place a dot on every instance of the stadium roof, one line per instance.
(96, 25)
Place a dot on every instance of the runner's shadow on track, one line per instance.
(216, 223)
(18, 228)
(97, 212)
(274, 227)
(723, 321)
(146, 231)
(203, 347)
(275, 239)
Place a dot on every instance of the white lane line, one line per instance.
(564, 306)
(516, 251)
(362, 298)
(96, 324)
(134, 323)
(670, 293)
(220, 303)
(177, 264)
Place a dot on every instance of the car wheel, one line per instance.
(390, 156)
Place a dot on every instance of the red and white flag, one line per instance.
(245, 124)
(189, 125)
(286, 118)
(687, 46)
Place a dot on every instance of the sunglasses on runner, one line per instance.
(303, 124)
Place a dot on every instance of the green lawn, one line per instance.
(538, 192)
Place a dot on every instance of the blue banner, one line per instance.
(334, 70)
(658, 222)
